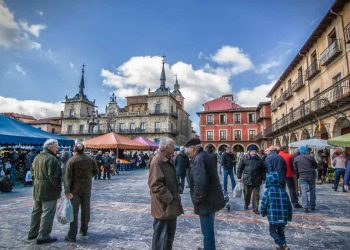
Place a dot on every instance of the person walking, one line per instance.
(65, 155)
(306, 166)
(274, 162)
(347, 175)
(252, 170)
(339, 164)
(106, 163)
(206, 193)
(14, 160)
(47, 190)
(182, 163)
(290, 176)
(165, 198)
(98, 160)
(228, 162)
(276, 206)
(80, 170)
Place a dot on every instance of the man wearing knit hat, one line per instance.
(306, 166)
(275, 162)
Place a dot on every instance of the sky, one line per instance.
(214, 47)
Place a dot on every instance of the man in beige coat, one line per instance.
(165, 198)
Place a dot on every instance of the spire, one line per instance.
(113, 98)
(176, 85)
(162, 76)
(82, 83)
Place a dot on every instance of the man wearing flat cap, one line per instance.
(205, 188)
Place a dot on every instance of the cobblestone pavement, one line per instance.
(121, 219)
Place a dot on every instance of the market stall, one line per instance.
(340, 141)
(147, 142)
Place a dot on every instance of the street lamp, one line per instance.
(93, 121)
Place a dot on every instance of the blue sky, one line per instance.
(215, 47)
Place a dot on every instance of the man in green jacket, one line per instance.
(80, 170)
(47, 190)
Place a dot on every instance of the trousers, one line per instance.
(83, 202)
(163, 234)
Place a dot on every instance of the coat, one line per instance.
(347, 174)
(305, 165)
(288, 159)
(182, 163)
(251, 170)
(275, 162)
(206, 192)
(47, 176)
(275, 202)
(228, 160)
(78, 175)
(164, 190)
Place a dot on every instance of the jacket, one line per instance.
(78, 175)
(275, 162)
(47, 176)
(288, 159)
(251, 170)
(305, 165)
(206, 192)
(275, 203)
(228, 160)
(162, 181)
(339, 162)
(106, 161)
(182, 163)
(347, 174)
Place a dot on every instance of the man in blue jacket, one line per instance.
(274, 162)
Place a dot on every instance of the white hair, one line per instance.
(49, 143)
(166, 141)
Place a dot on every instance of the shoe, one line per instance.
(49, 240)
(344, 191)
(306, 210)
(313, 209)
(297, 206)
(279, 248)
(82, 233)
(66, 238)
(245, 207)
(285, 247)
(32, 237)
(256, 212)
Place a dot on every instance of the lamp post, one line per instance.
(93, 120)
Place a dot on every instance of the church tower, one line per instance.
(177, 93)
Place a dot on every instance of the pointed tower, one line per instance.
(162, 88)
(177, 93)
(82, 83)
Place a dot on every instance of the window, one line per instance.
(69, 129)
(237, 118)
(157, 108)
(300, 74)
(290, 84)
(237, 135)
(71, 112)
(157, 126)
(132, 126)
(223, 119)
(210, 135)
(121, 127)
(336, 78)
(251, 117)
(209, 119)
(81, 128)
(222, 134)
(332, 36)
(142, 126)
(314, 58)
(251, 134)
(172, 109)
(53, 130)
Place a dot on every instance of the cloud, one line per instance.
(140, 73)
(20, 69)
(231, 60)
(33, 29)
(265, 67)
(15, 35)
(38, 109)
(40, 13)
(71, 65)
(251, 97)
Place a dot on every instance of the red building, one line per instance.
(225, 123)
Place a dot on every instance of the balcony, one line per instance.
(163, 112)
(297, 84)
(288, 94)
(329, 54)
(273, 106)
(210, 138)
(262, 115)
(252, 138)
(238, 138)
(347, 33)
(312, 71)
(326, 102)
(210, 123)
(280, 101)
(223, 138)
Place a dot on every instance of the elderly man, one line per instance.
(77, 186)
(165, 198)
(47, 190)
(182, 163)
(206, 193)
(98, 159)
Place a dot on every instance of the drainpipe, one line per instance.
(342, 24)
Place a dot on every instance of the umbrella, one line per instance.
(340, 141)
(310, 143)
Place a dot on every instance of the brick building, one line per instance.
(225, 123)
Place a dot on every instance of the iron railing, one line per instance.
(297, 84)
(347, 33)
(312, 70)
(288, 93)
(330, 53)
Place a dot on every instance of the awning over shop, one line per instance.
(13, 132)
(310, 143)
(114, 141)
(146, 141)
(340, 141)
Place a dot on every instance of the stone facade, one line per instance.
(158, 114)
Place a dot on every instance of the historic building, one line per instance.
(158, 114)
(225, 123)
(311, 97)
(50, 124)
(264, 121)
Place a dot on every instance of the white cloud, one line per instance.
(140, 73)
(71, 65)
(251, 97)
(265, 67)
(14, 35)
(33, 29)
(20, 69)
(231, 60)
(38, 109)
